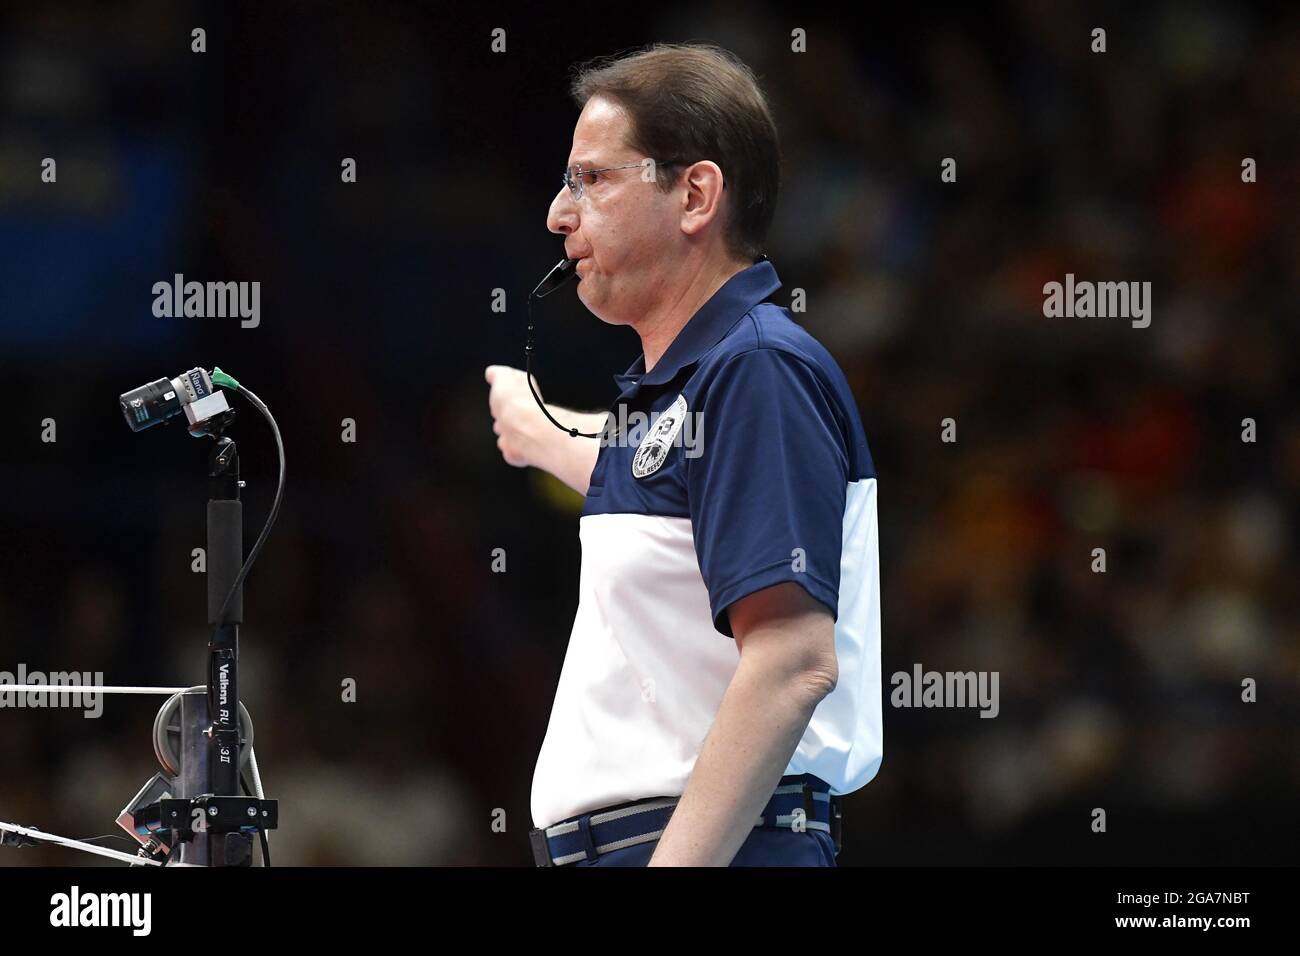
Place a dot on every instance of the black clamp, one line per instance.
(218, 815)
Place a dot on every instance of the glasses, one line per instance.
(576, 178)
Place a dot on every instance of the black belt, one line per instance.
(597, 832)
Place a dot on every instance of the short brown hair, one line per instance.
(691, 102)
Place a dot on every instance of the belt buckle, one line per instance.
(541, 848)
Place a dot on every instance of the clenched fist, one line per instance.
(515, 415)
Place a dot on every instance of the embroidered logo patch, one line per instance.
(653, 450)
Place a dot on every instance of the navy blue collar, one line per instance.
(738, 295)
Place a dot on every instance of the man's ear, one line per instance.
(705, 196)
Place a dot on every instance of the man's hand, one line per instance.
(514, 414)
(525, 437)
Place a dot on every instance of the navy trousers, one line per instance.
(763, 847)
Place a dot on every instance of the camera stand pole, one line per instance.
(218, 774)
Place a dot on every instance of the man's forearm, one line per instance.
(567, 458)
(760, 721)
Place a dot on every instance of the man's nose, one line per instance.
(562, 218)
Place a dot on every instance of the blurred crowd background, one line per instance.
(1119, 690)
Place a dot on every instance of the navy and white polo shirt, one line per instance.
(737, 462)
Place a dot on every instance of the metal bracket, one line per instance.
(219, 815)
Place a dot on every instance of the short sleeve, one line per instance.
(767, 489)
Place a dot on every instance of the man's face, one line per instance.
(623, 229)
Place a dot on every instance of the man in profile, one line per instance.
(721, 687)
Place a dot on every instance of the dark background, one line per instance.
(1118, 690)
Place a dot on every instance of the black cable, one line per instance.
(528, 374)
(266, 844)
(252, 556)
(110, 836)
(275, 504)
